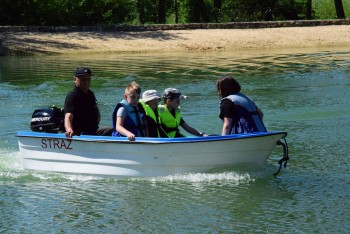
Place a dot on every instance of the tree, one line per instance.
(217, 10)
(339, 9)
(147, 10)
(308, 9)
(197, 11)
(161, 15)
(176, 12)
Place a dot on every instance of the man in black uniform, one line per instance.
(82, 115)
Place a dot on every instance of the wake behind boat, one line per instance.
(116, 156)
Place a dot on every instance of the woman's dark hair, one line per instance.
(227, 85)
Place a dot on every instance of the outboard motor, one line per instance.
(48, 120)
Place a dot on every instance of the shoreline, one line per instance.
(36, 42)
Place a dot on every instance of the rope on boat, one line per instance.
(285, 157)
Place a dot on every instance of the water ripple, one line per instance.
(302, 91)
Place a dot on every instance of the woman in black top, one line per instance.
(238, 112)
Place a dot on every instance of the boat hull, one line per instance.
(114, 156)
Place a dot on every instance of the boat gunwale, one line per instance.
(139, 140)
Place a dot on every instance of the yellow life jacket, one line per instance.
(156, 119)
(170, 123)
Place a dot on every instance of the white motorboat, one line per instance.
(116, 156)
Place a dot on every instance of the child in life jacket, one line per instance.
(149, 102)
(129, 116)
(170, 115)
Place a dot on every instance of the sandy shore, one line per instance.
(175, 40)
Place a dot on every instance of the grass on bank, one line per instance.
(325, 9)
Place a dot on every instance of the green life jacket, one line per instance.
(170, 123)
(156, 119)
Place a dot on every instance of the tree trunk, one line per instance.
(161, 12)
(176, 12)
(309, 9)
(339, 9)
(217, 10)
(197, 11)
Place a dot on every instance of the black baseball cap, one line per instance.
(80, 71)
(172, 93)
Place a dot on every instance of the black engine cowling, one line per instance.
(48, 120)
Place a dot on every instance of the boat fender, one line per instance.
(49, 120)
(285, 157)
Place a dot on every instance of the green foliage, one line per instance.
(197, 11)
(110, 12)
(147, 10)
(66, 12)
(14, 11)
(325, 9)
(263, 10)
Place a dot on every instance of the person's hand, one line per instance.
(131, 136)
(69, 133)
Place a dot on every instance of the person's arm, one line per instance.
(98, 116)
(191, 130)
(68, 124)
(144, 120)
(119, 126)
(260, 113)
(227, 112)
(226, 128)
(96, 107)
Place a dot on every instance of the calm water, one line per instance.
(305, 92)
